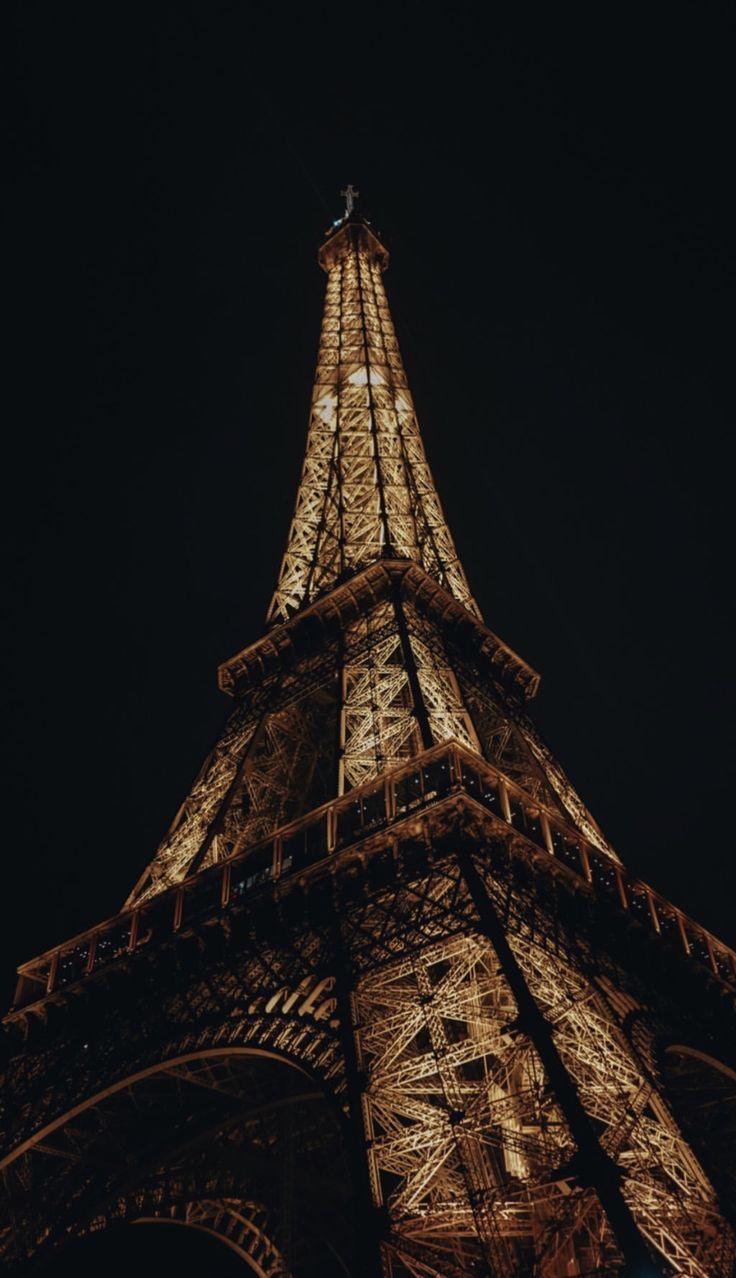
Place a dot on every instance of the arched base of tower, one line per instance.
(240, 1145)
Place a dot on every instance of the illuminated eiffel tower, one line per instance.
(385, 1000)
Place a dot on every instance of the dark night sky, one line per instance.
(559, 205)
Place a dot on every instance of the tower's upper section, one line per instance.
(366, 492)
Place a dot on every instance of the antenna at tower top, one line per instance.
(351, 196)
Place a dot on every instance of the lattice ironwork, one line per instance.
(389, 687)
(385, 1000)
(669, 1194)
(469, 1144)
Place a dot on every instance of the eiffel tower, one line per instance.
(385, 1001)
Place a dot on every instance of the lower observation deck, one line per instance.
(424, 797)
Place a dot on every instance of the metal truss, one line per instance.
(509, 738)
(397, 697)
(452, 1111)
(290, 770)
(269, 764)
(389, 687)
(215, 1124)
(468, 1147)
(193, 821)
(378, 729)
(366, 489)
(448, 716)
(217, 1143)
(670, 1196)
(374, 984)
(468, 1139)
(565, 791)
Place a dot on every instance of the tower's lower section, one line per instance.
(438, 1049)
(471, 1146)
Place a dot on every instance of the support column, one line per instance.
(500, 1261)
(596, 1168)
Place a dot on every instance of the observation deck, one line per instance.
(447, 789)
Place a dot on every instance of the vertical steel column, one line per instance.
(595, 1167)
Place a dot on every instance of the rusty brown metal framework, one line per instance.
(385, 1000)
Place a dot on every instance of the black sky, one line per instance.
(558, 199)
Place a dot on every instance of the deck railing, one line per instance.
(422, 783)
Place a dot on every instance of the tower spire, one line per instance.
(366, 491)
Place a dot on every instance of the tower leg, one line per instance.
(596, 1166)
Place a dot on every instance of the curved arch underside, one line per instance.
(238, 1144)
(702, 1092)
(242, 1225)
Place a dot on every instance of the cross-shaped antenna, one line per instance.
(351, 196)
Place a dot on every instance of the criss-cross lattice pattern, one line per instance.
(192, 824)
(468, 1148)
(379, 727)
(366, 489)
(665, 1186)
